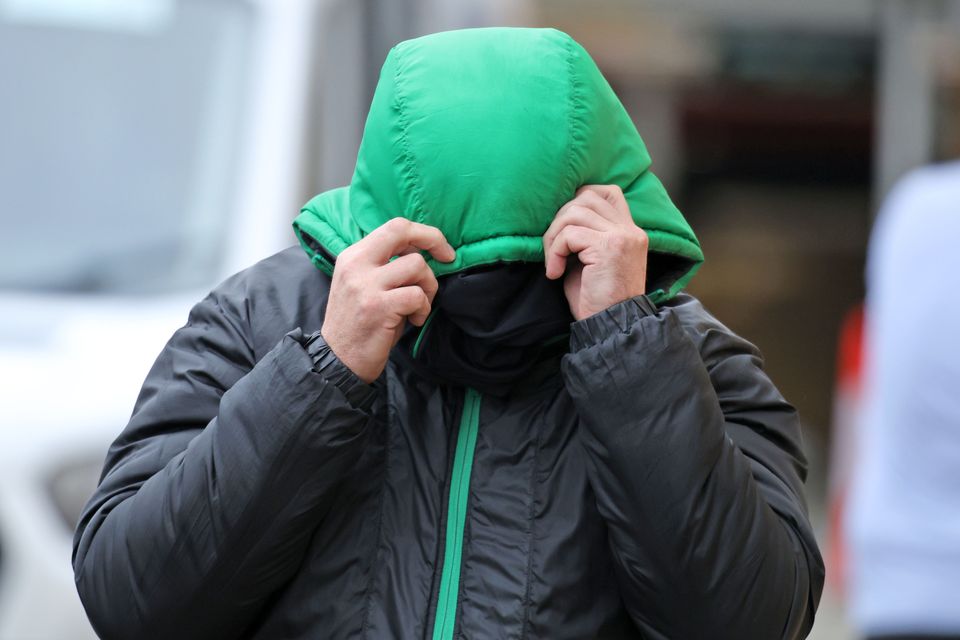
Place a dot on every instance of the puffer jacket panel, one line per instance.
(648, 486)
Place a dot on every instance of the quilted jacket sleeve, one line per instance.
(210, 494)
(696, 462)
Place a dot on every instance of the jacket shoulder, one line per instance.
(712, 338)
(747, 395)
(285, 268)
(273, 296)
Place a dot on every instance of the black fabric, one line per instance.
(327, 364)
(651, 488)
(491, 327)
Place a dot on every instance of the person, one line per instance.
(902, 523)
(474, 402)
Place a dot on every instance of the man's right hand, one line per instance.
(371, 296)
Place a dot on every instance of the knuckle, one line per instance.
(347, 280)
(582, 197)
(642, 238)
(402, 263)
(397, 224)
(414, 299)
(347, 255)
(368, 304)
(418, 260)
(591, 196)
(618, 243)
(354, 277)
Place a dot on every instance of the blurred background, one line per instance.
(150, 148)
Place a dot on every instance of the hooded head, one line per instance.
(485, 133)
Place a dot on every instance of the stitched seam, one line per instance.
(540, 237)
(378, 539)
(328, 230)
(571, 121)
(508, 235)
(524, 627)
(409, 166)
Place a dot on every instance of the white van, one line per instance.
(148, 149)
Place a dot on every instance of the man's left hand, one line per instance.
(594, 240)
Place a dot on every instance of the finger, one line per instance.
(578, 215)
(613, 194)
(589, 196)
(397, 234)
(409, 302)
(410, 269)
(571, 239)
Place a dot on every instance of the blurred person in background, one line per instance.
(495, 415)
(903, 520)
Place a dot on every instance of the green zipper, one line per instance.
(446, 617)
(423, 331)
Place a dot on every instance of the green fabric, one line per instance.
(446, 616)
(485, 133)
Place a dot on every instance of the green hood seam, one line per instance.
(572, 120)
(658, 296)
(668, 240)
(409, 161)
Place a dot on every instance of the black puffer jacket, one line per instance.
(647, 484)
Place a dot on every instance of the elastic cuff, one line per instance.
(617, 318)
(326, 363)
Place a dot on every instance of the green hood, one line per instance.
(485, 133)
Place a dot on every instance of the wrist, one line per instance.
(617, 318)
(328, 364)
(347, 356)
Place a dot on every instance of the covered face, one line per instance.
(485, 133)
